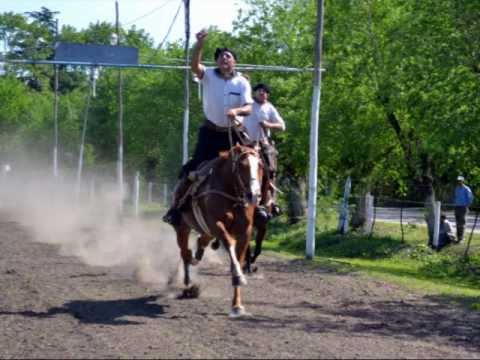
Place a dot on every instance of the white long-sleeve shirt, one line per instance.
(261, 112)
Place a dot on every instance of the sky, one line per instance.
(154, 16)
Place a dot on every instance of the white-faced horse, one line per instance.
(222, 207)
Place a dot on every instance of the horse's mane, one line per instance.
(237, 147)
(226, 155)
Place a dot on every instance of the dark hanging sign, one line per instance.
(99, 54)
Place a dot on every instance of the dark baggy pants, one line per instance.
(211, 140)
(460, 219)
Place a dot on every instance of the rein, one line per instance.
(239, 200)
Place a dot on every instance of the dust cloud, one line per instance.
(89, 224)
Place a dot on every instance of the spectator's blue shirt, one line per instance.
(463, 196)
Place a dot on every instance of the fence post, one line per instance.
(401, 222)
(436, 225)
(92, 190)
(343, 218)
(137, 192)
(165, 193)
(465, 255)
(368, 213)
(149, 196)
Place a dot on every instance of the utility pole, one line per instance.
(312, 188)
(55, 111)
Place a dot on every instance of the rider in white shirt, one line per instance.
(264, 118)
(226, 98)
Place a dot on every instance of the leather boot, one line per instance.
(276, 210)
(173, 215)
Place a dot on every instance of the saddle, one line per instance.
(197, 178)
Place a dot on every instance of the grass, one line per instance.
(410, 263)
(384, 255)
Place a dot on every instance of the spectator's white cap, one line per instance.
(460, 178)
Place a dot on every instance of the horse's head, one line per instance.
(248, 172)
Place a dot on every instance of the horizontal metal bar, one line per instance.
(155, 66)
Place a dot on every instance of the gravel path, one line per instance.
(55, 306)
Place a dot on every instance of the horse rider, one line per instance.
(226, 99)
(264, 118)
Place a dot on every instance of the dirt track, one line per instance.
(52, 306)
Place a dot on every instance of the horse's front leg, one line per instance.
(238, 278)
(202, 243)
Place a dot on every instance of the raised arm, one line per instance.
(197, 68)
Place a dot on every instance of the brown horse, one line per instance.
(222, 206)
(269, 155)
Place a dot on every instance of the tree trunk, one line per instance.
(359, 216)
(296, 195)
(427, 192)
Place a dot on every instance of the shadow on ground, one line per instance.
(107, 312)
(431, 319)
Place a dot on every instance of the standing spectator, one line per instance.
(462, 200)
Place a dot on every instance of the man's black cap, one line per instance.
(220, 51)
(263, 87)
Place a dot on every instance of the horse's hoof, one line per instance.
(191, 292)
(238, 312)
(253, 272)
(194, 262)
(243, 280)
(216, 244)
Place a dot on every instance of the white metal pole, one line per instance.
(315, 112)
(120, 117)
(187, 82)
(55, 113)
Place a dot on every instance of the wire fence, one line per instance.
(356, 213)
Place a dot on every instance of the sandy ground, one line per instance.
(53, 305)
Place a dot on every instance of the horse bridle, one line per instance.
(239, 185)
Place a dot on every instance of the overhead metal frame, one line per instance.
(155, 66)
